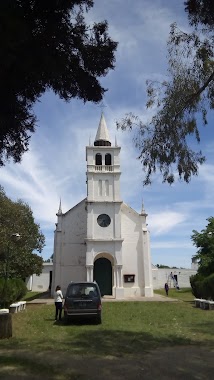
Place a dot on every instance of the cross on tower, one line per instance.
(102, 106)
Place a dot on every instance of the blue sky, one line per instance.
(55, 165)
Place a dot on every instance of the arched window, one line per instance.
(98, 159)
(108, 159)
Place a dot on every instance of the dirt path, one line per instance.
(180, 362)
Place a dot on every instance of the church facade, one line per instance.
(101, 238)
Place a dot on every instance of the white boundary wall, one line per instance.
(40, 283)
(161, 276)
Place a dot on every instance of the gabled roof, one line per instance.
(131, 209)
(78, 204)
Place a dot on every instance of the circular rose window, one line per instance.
(103, 220)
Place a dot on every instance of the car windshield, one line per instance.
(82, 291)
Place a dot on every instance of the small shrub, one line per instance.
(202, 287)
(196, 286)
(208, 285)
(11, 291)
(21, 289)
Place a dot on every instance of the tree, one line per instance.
(204, 241)
(49, 260)
(181, 102)
(203, 282)
(18, 258)
(46, 45)
(161, 266)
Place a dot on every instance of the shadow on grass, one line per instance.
(44, 357)
(98, 342)
(120, 343)
(114, 343)
(26, 367)
(205, 328)
(165, 363)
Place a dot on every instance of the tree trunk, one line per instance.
(5, 326)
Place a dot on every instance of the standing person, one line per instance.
(166, 286)
(58, 297)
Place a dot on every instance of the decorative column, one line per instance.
(119, 290)
(119, 270)
(89, 271)
(147, 263)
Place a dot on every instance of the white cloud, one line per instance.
(33, 184)
(165, 221)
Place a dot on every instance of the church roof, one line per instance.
(102, 137)
(77, 205)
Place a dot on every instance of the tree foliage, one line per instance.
(181, 102)
(162, 266)
(204, 241)
(11, 291)
(200, 12)
(18, 258)
(46, 45)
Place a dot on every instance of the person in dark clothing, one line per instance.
(166, 287)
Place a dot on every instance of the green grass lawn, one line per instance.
(127, 328)
(184, 294)
(32, 295)
(43, 348)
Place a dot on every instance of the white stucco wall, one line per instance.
(40, 283)
(130, 234)
(70, 248)
(96, 174)
(132, 251)
(161, 276)
(97, 232)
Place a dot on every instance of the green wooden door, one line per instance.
(103, 275)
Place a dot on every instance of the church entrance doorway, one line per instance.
(103, 275)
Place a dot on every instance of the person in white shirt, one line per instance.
(58, 297)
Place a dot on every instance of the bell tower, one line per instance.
(104, 206)
(103, 167)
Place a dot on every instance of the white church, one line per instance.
(102, 239)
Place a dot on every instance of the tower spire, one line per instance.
(143, 212)
(102, 137)
(60, 208)
(115, 140)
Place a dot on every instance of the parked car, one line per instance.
(83, 299)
